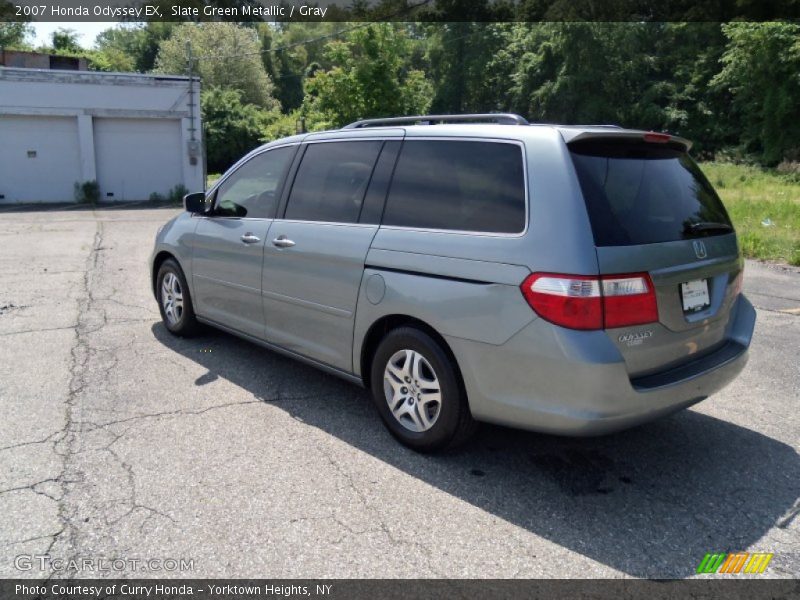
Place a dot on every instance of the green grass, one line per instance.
(753, 195)
(211, 178)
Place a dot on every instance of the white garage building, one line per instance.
(133, 134)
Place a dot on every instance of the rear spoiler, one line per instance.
(574, 136)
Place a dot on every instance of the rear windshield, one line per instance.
(638, 194)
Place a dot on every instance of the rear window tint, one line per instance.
(636, 194)
(453, 185)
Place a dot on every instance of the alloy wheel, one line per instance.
(172, 298)
(412, 390)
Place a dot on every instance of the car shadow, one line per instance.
(649, 502)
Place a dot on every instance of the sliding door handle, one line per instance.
(282, 242)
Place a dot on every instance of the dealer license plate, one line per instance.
(695, 295)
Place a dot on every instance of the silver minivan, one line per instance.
(575, 280)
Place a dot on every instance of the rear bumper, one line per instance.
(550, 379)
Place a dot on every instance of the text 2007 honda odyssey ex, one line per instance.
(574, 280)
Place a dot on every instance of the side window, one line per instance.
(460, 186)
(251, 191)
(331, 181)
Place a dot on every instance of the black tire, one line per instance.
(453, 423)
(185, 324)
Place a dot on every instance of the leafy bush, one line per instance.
(279, 125)
(177, 193)
(87, 192)
(794, 259)
(790, 170)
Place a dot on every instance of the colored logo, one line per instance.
(735, 562)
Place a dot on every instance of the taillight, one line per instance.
(581, 302)
(628, 300)
(569, 300)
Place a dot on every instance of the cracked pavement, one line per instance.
(118, 440)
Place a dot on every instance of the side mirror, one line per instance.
(195, 203)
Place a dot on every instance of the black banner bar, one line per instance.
(390, 589)
(399, 10)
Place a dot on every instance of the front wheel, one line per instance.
(418, 391)
(174, 300)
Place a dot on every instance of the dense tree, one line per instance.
(723, 86)
(685, 58)
(15, 35)
(285, 67)
(645, 75)
(139, 43)
(761, 68)
(66, 41)
(227, 56)
(571, 72)
(231, 127)
(294, 51)
(370, 78)
(457, 56)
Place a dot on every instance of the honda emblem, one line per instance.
(699, 249)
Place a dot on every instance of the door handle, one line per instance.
(282, 242)
(249, 238)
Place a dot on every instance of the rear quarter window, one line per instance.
(458, 185)
(637, 194)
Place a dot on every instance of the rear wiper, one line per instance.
(706, 226)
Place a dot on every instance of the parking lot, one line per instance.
(118, 440)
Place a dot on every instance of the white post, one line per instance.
(86, 148)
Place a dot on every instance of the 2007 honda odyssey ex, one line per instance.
(576, 280)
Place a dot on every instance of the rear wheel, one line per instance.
(174, 300)
(418, 391)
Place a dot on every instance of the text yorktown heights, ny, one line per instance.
(98, 590)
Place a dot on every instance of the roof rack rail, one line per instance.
(501, 118)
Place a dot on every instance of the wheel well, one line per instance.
(157, 262)
(384, 325)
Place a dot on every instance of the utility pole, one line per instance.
(194, 146)
(190, 64)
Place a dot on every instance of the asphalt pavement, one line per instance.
(120, 441)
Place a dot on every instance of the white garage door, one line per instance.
(136, 157)
(39, 159)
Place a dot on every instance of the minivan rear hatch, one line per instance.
(653, 212)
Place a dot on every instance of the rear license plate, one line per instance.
(695, 295)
